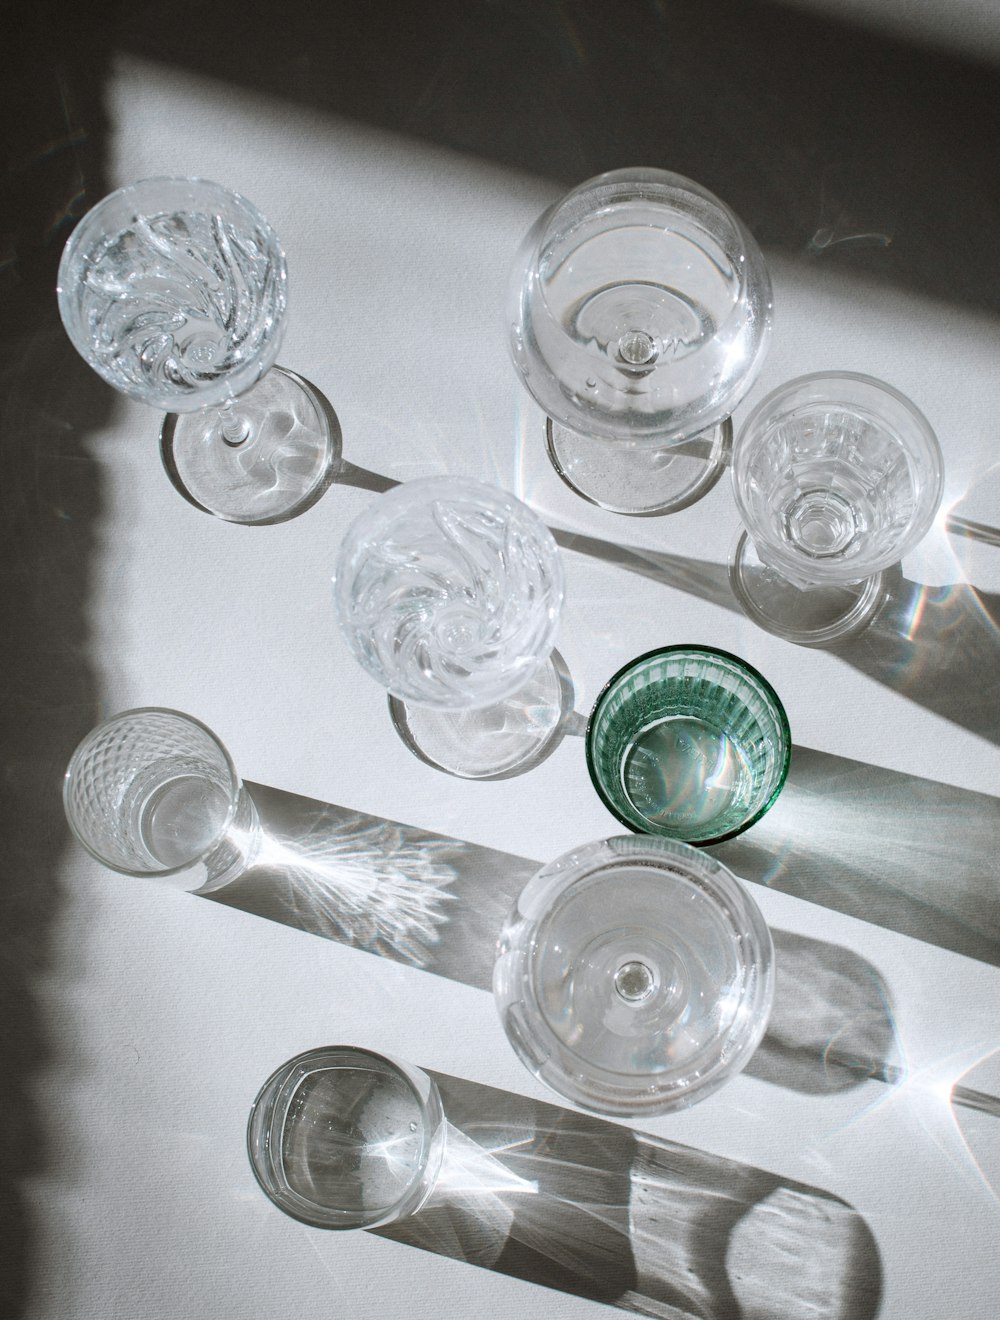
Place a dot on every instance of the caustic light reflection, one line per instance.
(368, 885)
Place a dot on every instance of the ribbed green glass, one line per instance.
(688, 742)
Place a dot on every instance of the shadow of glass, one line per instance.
(857, 162)
(590, 1208)
(438, 904)
(53, 134)
(828, 838)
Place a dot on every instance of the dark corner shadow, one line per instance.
(938, 647)
(53, 133)
(438, 904)
(595, 1209)
(836, 143)
(909, 854)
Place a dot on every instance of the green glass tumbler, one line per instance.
(688, 742)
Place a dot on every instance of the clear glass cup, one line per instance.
(448, 592)
(836, 476)
(174, 290)
(634, 976)
(153, 792)
(341, 1137)
(638, 316)
(690, 743)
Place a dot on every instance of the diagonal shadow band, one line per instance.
(594, 1209)
(438, 904)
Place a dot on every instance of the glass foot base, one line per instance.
(816, 616)
(635, 479)
(291, 455)
(499, 741)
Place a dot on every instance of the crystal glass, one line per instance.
(174, 291)
(836, 477)
(448, 592)
(639, 314)
(153, 792)
(341, 1137)
(634, 976)
(688, 742)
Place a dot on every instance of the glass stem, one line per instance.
(235, 429)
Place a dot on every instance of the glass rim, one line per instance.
(234, 797)
(693, 648)
(263, 1115)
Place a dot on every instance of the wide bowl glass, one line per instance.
(341, 1137)
(688, 742)
(634, 976)
(448, 592)
(639, 308)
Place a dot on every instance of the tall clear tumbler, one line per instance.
(153, 792)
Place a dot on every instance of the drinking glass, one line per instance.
(688, 742)
(174, 290)
(448, 592)
(638, 316)
(634, 976)
(153, 792)
(341, 1137)
(837, 476)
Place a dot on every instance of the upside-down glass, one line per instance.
(174, 290)
(634, 976)
(836, 477)
(448, 592)
(152, 792)
(688, 742)
(341, 1137)
(638, 316)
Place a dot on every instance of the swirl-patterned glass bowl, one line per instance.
(448, 592)
(174, 291)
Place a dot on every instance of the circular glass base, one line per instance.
(497, 741)
(636, 479)
(813, 616)
(634, 976)
(290, 456)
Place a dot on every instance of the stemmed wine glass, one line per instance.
(638, 316)
(837, 476)
(634, 976)
(448, 592)
(174, 290)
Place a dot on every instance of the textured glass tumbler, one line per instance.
(174, 291)
(153, 792)
(688, 742)
(639, 314)
(836, 477)
(448, 592)
(340, 1137)
(634, 976)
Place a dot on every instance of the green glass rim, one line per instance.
(692, 648)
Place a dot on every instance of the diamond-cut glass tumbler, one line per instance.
(688, 742)
(153, 792)
(341, 1137)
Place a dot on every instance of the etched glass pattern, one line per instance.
(690, 743)
(836, 477)
(153, 792)
(174, 291)
(634, 976)
(448, 592)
